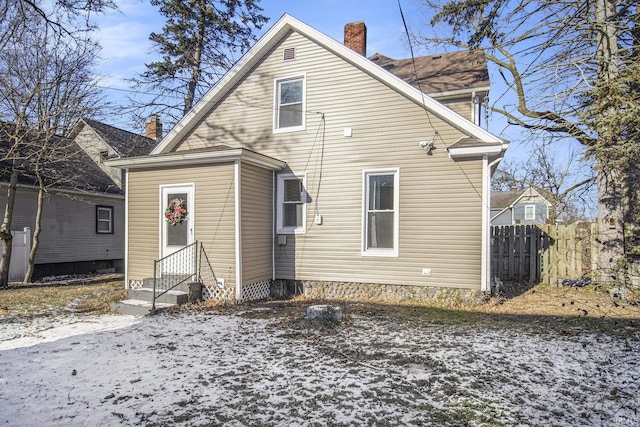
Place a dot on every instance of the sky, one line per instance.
(124, 35)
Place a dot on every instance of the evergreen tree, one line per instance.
(199, 43)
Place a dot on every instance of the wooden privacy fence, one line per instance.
(543, 253)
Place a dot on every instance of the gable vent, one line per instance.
(289, 54)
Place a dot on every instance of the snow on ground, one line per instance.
(241, 368)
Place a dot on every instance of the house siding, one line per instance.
(214, 216)
(540, 213)
(93, 145)
(505, 218)
(440, 200)
(69, 226)
(464, 107)
(257, 224)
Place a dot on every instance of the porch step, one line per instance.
(136, 307)
(171, 297)
(140, 300)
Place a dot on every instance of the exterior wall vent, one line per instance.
(289, 54)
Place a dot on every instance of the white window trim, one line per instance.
(108, 221)
(526, 218)
(280, 229)
(389, 253)
(276, 103)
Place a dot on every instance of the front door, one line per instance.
(177, 218)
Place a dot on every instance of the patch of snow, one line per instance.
(214, 369)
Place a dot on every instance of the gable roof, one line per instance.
(72, 170)
(443, 74)
(125, 143)
(281, 29)
(503, 200)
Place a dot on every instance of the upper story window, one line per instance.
(291, 204)
(380, 213)
(104, 219)
(530, 212)
(289, 104)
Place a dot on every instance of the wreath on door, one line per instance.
(176, 212)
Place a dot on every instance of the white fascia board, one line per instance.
(284, 25)
(456, 153)
(457, 93)
(190, 158)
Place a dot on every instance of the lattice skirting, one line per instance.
(217, 293)
(255, 291)
(135, 284)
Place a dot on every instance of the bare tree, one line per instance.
(559, 60)
(566, 183)
(45, 76)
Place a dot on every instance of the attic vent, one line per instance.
(289, 54)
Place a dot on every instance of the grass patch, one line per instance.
(93, 299)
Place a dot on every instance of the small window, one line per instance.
(530, 212)
(104, 219)
(289, 104)
(380, 213)
(291, 204)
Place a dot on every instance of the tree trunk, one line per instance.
(612, 182)
(5, 230)
(196, 67)
(36, 236)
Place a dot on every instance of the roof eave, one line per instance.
(191, 158)
(458, 92)
(477, 151)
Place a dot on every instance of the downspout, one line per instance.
(238, 232)
(273, 226)
(474, 108)
(486, 215)
(126, 228)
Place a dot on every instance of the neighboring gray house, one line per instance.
(83, 222)
(101, 141)
(519, 207)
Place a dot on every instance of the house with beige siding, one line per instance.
(309, 164)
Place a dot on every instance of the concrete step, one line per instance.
(194, 289)
(136, 307)
(171, 297)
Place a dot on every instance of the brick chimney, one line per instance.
(153, 128)
(355, 37)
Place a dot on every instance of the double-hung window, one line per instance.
(291, 215)
(380, 213)
(104, 219)
(289, 104)
(530, 212)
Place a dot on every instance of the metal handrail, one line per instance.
(186, 268)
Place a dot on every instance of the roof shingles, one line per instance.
(434, 74)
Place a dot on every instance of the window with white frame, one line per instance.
(380, 213)
(530, 212)
(289, 104)
(291, 215)
(104, 219)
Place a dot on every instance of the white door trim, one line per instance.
(190, 189)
